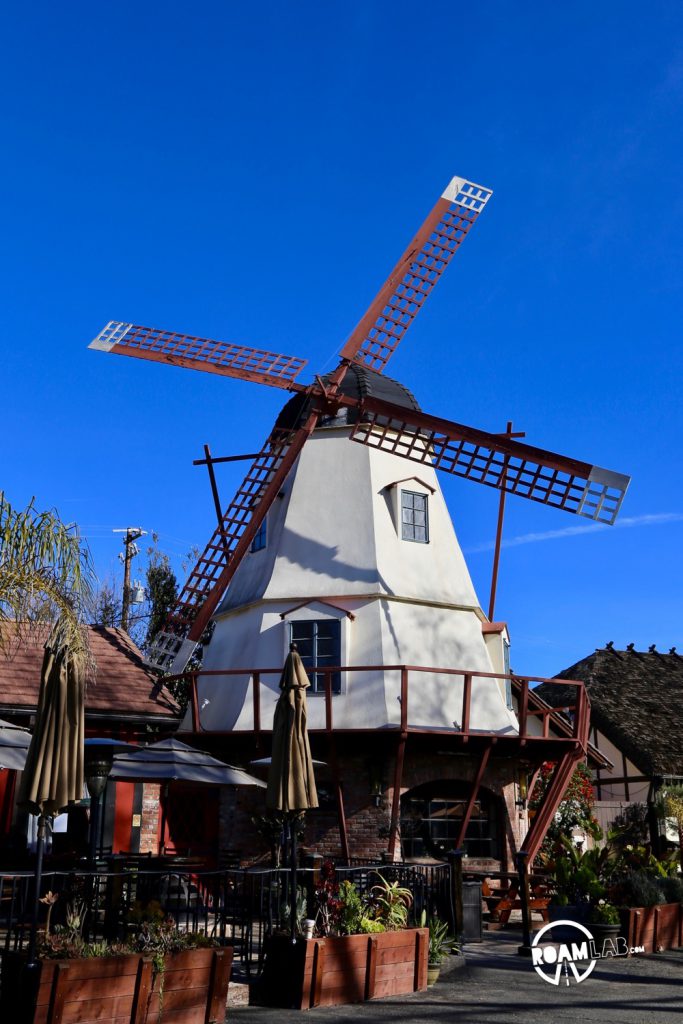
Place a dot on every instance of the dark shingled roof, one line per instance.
(121, 686)
(359, 382)
(636, 702)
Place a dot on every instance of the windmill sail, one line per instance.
(230, 541)
(493, 460)
(401, 298)
(220, 357)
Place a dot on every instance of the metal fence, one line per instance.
(237, 907)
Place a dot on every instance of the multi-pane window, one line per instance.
(430, 825)
(414, 524)
(259, 541)
(319, 644)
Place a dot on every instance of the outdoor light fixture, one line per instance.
(97, 773)
(376, 776)
(522, 789)
(98, 755)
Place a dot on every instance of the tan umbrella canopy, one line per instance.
(291, 785)
(53, 773)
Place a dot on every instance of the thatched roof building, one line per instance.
(636, 702)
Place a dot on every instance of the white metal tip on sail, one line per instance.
(467, 193)
(110, 335)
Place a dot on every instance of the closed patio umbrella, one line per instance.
(291, 784)
(53, 772)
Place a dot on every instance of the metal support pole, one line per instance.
(455, 860)
(208, 461)
(40, 849)
(293, 871)
(499, 531)
(496, 555)
(523, 876)
(95, 825)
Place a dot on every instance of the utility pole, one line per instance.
(131, 550)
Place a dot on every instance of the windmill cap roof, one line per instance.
(360, 382)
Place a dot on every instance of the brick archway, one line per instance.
(432, 813)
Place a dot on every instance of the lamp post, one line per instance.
(99, 759)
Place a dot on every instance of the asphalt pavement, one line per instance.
(491, 984)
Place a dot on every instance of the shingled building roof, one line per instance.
(119, 687)
(636, 702)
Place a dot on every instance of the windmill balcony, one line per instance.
(408, 690)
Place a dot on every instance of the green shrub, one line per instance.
(352, 910)
(604, 913)
(672, 889)
(641, 890)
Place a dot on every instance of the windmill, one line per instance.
(498, 461)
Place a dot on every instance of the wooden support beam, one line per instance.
(371, 967)
(59, 980)
(339, 797)
(466, 703)
(143, 987)
(474, 792)
(421, 955)
(396, 800)
(551, 801)
(217, 997)
(315, 994)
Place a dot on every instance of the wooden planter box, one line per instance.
(193, 989)
(656, 928)
(345, 969)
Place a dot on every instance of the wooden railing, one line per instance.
(529, 706)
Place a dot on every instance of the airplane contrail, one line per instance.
(652, 519)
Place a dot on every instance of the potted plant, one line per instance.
(440, 945)
(592, 886)
(153, 975)
(604, 922)
(363, 948)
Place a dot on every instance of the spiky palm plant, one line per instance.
(393, 901)
(46, 575)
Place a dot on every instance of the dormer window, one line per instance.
(414, 517)
(259, 541)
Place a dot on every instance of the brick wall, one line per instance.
(149, 829)
(367, 825)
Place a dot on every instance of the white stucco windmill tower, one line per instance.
(348, 550)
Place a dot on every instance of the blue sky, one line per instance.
(252, 173)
